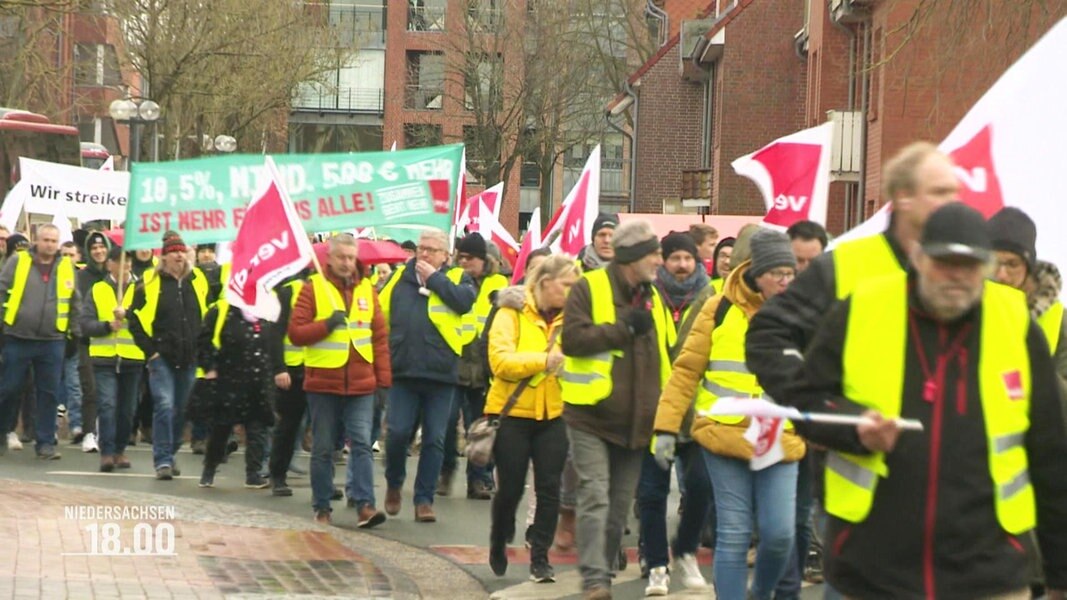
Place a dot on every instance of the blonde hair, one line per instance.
(898, 175)
(553, 267)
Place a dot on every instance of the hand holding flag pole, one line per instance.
(755, 407)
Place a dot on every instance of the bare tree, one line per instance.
(32, 68)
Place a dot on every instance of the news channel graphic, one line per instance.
(124, 530)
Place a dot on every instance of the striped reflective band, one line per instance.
(1007, 442)
(580, 378)
(331, 346)
(720, 391)
(292, 348)
(361, 342)
(728, 366)
(849, 470)
(1016, 485)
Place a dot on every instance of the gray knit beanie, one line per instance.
(770, 249)
(634, 240)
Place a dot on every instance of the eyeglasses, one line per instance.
(429, 250)
(1012, 264)
(782, 274)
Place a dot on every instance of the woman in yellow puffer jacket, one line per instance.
(712, 365)
(523, 345)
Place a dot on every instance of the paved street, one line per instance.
(233, 542)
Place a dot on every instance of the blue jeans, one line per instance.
(407, 400)
(46, 357)
(70, 392)
(789, 585)
(117, 394)
(652, 491)
(698, 511)
(353, 414)
(170, 391)
(470, 404)
(739, 494)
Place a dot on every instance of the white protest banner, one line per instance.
(77, 192)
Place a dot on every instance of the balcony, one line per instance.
(340, 100)
(423, 97)
(426, 18)
(612, 178)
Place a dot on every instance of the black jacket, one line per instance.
(947, 502)
(783, 328)
(176, 325)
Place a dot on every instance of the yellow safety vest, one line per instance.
(717, 284)
(222, 310)
(147, 314)
(858, 260)
(873, 364)
(224, 278)
(294, 355)
(457, 330)
(483, 305)
(586, 380)
(726, 374)
(1052, 324)
(119, 342)
(64, 279)
(332, 352)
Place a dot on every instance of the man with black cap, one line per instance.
(682, 275)
(1015, 242)
(942, 345)
(205, 261)
(616, 332)
(599, 253)
(97, 246)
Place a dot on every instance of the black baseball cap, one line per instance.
(957, 230)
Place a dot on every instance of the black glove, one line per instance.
(639, 321)
(337, 319)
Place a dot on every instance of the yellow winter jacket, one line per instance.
(688, 374)
(517, 343)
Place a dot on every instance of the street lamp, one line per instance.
(136, 113)
(225, 143)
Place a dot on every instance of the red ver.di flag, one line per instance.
(271, 245)
(793, 174)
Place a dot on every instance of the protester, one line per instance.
(96, 249)
(705, 237)
(167, 312)
(721, 262)
(41, 309)
(615, 337)
(409, 247)
(599, 253)
(117, 362)
(289, 397)
(338, 318)
(425, 304)
(808, 240)
(205, 261)
(69, 392)
(681, 277)
(962, 356)
(523, 346)
(711, 364)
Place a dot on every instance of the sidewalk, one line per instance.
(59, 542)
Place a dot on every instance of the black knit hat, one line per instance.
(409, 245)
(474, 245)
(678, 240)
(957, 230)
(15, 239)
(1013, 231)
(611, 221)
(115, 253)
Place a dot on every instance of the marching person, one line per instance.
(808, 240)
(290, 399)
(167, 309)
(941, 345)
(97, 248)
(523, 347)
(117, 362)
(706, 238)
(41, 309)
(721, 265)
(599, 252)
(615, 337)
(338, 319)
(426, 306)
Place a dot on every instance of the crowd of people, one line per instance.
(601, 375)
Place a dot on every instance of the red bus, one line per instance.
(30, 135)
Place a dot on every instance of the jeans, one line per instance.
(170, 387)
(381, 396)
(354, 415)
(86, 389)
(607, 480)
(652, 491)
(408, 400)
(290, 406)
(789, 586)
(470, 403)
(70, 392)
(519, 441)
(255, 445)
(698, 510)
(767, 496)
(46, 358)
(117, 395)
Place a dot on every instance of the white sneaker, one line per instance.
(13, 442)
(692, 579)
(659, 582)
(89, 443)
(375, 447)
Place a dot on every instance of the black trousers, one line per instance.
(289, 405)
(255, 446)
(519, 441)
(88, 383)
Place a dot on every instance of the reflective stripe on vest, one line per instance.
(147, 314)
(119, 342)
(332, 351)
(294, 355)
(456, 330)
(586, 380)
(64, 282)
(873, 366)
(858, 260)
(1052, 324)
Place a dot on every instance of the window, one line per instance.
(483, 83)
(418, 135)
(483, 15)
(96, 64)
(358, 23)
(426, 15)
(426, 78)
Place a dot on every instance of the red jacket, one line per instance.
(357, 377)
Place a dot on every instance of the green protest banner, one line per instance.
(204, 199)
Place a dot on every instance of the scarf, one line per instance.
(678, 294)
(591, 261)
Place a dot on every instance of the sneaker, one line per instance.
(89, 443)
(48, 452)
(61, 411)
(322, 516)
(207, 478)
(369, 517)
(165, 473)
(687, 566)
(255, 482)
(597, 593)
(13, 441)
(76, 436)
(376, 447)
(444, 484)
(278, 487)
(659, 582)
(175, 470)
(199, 446)
(542, 572)
(338, 494)
(295, 470)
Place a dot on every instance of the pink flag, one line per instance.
(487, 203)
(271, 245)
(793, 174)
(530, 241)
(580, 209)
(492, 230)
